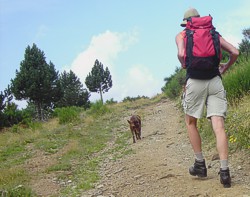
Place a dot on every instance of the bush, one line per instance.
(67, 114)
(98, 109)
(174, 84)
(237, 82)
(130, 99)
(238, 125)
(111, 101)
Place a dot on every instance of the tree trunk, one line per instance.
(39, 110)
(101, 95)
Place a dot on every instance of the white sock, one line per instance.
(224, 164)
(199, 156)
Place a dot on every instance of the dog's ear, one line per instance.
(129, 121)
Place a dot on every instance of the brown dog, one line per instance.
(135, 127)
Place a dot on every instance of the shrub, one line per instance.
(131, 99)
(175, 83)
(111, 101)
(67, 114)
(98, 108)
(238, 125)
(237, 82)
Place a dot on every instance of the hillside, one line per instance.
(159, 165)
(63, 160)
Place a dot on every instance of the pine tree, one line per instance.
(36, 81)
(73, 92)
(99, 80)
(244, 46)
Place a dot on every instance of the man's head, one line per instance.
(191, 12)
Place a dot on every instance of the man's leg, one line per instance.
(221, 137)
(222, 147)
(193, 133)
(199, 168)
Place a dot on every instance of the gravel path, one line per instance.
(159, 165)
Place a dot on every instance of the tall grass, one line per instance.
(73, 146)
(238, 124)
(68, 114)
(98, 109)
(237, 82)
(175, 83)
(237, 86)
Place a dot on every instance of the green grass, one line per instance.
(14, 182)
(76, 149)
(238, 124)
(237, 82)
(73, 148)
(68, 114)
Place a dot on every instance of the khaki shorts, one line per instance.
(201, 93)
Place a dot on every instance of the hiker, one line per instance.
(199, 52)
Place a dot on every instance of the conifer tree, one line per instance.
(99, 80)
(73, 92)
(37, 82)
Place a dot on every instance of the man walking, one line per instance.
(204, 86)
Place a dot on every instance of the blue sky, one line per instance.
(135, 39)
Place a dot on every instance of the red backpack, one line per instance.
(202, 45)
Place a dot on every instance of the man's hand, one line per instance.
(223, 67)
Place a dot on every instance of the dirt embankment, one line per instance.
(159, 166)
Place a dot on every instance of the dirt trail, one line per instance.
(160, 164)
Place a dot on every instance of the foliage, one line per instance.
(98, 109)
(111, 101)
(237, 82)
(12, 115)
(238, 125)
(9, 113)
(18, 191)
(174, 84)
(5, 100)
(246, 33)
(73, 92)
(37, 81)
(99, 80)
(130, 99)
(77, 145)
(244, 46)
(67, 114)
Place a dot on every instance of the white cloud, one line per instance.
(141, 81)
(234, 22)
(137, 81)
(105, 47)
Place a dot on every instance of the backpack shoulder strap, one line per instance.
(216, 41)
(189, 46)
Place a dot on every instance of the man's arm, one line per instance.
(181, 49)
(233, 54)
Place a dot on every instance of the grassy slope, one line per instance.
(65, 152)
(73, 151)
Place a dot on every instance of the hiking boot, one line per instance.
(198, 169)
(225, 178)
